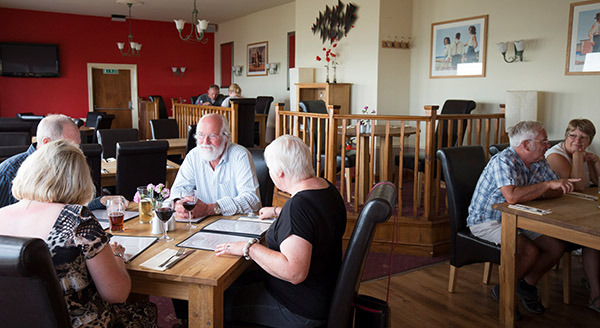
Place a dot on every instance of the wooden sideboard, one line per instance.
(330, 93)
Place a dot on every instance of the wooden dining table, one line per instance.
(108, 174)
(177, 146)
(385, 150)
(572, 219)
(200, 278)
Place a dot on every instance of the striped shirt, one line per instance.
(504, 169)
(232, 184)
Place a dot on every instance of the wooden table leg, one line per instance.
(507, 270)
(205, 306)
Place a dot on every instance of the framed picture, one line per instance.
(583, 43)
(257, 59)
(459, 48)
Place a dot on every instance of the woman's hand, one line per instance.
(234, 248)
(117, 249)
(269, 212)
(591, 158)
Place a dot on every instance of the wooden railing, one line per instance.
(186, 115)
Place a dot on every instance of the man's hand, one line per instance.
(180, 212)
(206, 103)
(566, 185)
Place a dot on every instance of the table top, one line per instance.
(201, 267)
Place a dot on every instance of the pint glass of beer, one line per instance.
(115, 209)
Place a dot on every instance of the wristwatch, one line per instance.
(217, 209)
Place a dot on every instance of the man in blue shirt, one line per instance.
(52, 127)
(212, 97)
(519, 174)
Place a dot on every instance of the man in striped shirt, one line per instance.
(221, 172)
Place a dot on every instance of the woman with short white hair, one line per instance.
(303, 253)
(52, 186)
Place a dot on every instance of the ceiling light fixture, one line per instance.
(198, 28)
(134, 48)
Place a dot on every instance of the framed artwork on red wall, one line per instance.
(257, 57)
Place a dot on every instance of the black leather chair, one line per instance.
(245, 123)
(191, 139)
(495, 149)
(162, 108)
(79, 122)
(263, 104)
(31, 118)
(9, 151)
(92, 154)
(378, 208)
(193, 99)
(267, 186)
(140, 163)
(166, 128)
(91, 118)
(108, 139)
(461, 167)
(103, 122)
(15, 138)
(31, 294)
(16, 126)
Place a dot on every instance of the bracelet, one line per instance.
(275, 211)
(247, 248)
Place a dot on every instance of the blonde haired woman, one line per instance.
(234, 92)
(52, 185)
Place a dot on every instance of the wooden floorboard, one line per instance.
(420, 299)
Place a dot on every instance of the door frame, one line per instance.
(133, 85)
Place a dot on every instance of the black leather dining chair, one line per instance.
(93, 156)
(108, 139)
(191, 138)
(263, 104)
(15, 139)
(378, 208)
(266, 185)
(164, 128)
(91, 118)
(33, 119)
(461, 167)
(9, 151)
(31, 294)
(16, 126)
(162, 108)
(140, 163)
(103, 122)
(245, 122)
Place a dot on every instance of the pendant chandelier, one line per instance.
(198, 28)
(130, 48)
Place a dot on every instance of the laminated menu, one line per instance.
(224, 231)
(134, 245)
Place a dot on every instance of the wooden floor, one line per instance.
(420, 299)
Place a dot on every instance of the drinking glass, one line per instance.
(189, 200)
(115, 210)
(145, 206)
(164, 210)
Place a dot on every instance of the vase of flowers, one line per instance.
(365, 124)
(330, 58)
(155, 194)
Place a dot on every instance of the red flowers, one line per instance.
(328, 53)
(318, 58)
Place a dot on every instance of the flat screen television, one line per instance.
(29, 60)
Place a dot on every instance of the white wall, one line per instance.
(358, 53)
(543, 24)
(270, 25)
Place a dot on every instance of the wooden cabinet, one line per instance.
(330, 93)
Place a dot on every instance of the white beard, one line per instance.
(210, 153)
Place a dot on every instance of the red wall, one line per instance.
(90, 39)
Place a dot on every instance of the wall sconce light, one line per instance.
(237, 70)
(272, 68)
(178, 71)
(519, 48)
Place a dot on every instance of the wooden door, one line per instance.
(112, 94)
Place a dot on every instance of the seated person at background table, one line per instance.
(299, 266)
(569, 159)
(234, 92)
(90, 270)
(52, 127)
(519, 174)
(212, 97)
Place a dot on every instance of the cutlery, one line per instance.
(178, 254)
(176, 260)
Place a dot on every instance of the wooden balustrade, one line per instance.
(186, 115)
(377, 142)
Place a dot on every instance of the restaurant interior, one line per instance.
(377, 110)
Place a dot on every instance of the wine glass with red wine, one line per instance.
(164, 211)
(189, 200)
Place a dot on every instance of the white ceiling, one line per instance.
(215, 11)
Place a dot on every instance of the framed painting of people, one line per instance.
(257, 59)
(459, 48)
(583, 42)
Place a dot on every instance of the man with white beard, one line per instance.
(221, 172)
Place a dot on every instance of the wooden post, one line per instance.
(278, 124)
(430, 111)
(331, 151)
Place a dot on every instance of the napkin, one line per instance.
(154, 262)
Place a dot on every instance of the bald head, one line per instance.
(57, 127)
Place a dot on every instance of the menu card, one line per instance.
(224, 231)
(134, 245)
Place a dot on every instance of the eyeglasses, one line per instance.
(211, 137)
(575, 136)
(544, 141)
